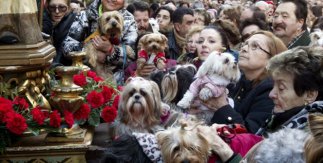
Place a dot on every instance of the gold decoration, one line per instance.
(77, 59)
(66, 94)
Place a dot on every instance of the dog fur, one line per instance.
(139, 108)
(183, 144)
(110, 27)
(316, 38)
(177, 144)
(153, 43)
(216, 72)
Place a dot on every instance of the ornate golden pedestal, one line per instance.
(36, 150)
(25, 68)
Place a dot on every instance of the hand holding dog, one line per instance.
(216, 143)
(101, 43)
(146, 70)
(216, 103)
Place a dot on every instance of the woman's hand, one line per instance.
(216, 143)
(217, 102)
(146, 70)
(101, 43)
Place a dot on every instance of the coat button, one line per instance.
(238, 97)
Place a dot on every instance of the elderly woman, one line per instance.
(297, 75)
(252, 105)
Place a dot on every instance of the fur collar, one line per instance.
(150, 146)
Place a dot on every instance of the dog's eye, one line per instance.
(226, 61)
(108, 19)
(143, 93)
(117, 18)
(149, 41)
(176, 149)
(132, 92)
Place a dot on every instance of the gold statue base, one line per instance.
(74, 134)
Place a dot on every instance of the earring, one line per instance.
(306, 103)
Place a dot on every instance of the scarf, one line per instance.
(181, 42)
(150, 146)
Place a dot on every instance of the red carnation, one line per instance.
(5, 107)
(107, 93)
(38, 115)
(55, 119)
(109, 114)
(16, 123)
(116, 101)
(97, 79)
(95, 99)
(68, 118)
(120, 88)
(83, 112)
(21, 102)
(79, 80)
(91, 74)
(5, 101)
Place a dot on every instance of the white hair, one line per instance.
(285, 145)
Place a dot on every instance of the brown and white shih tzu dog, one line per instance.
(139, 108)
(212, 78)
(152, 50)
(110, 27)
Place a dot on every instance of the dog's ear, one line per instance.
(143, 41)
(208, 64)
(120, 17)
(100, 24)
(164, 40)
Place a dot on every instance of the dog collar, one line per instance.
(149, 144)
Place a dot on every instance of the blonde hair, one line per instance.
(275, 45)
(195, 29)
(314, 146)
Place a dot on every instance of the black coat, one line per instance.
(58, 34)
(252, 105)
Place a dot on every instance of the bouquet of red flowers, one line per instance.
(101, 99)
(100, 103)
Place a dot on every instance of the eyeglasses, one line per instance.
(53, 8)
(254, 46)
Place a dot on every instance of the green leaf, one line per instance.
(34, 131)
(94, 118)
(80, 122)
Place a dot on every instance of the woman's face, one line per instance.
(209, 40)
(199, 19)
(253, 54)
(191, 42)
(163, 19)
(283, 93)
(57, 9)
(112, 5)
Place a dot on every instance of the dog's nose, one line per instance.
(137, 97)
(185, 161)
(114, 24)
(154, 46)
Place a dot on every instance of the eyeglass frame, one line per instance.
(258, 47)
(60, 8)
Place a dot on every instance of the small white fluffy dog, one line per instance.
(216, 72)
(316, 38)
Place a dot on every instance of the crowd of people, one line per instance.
(276, 44)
